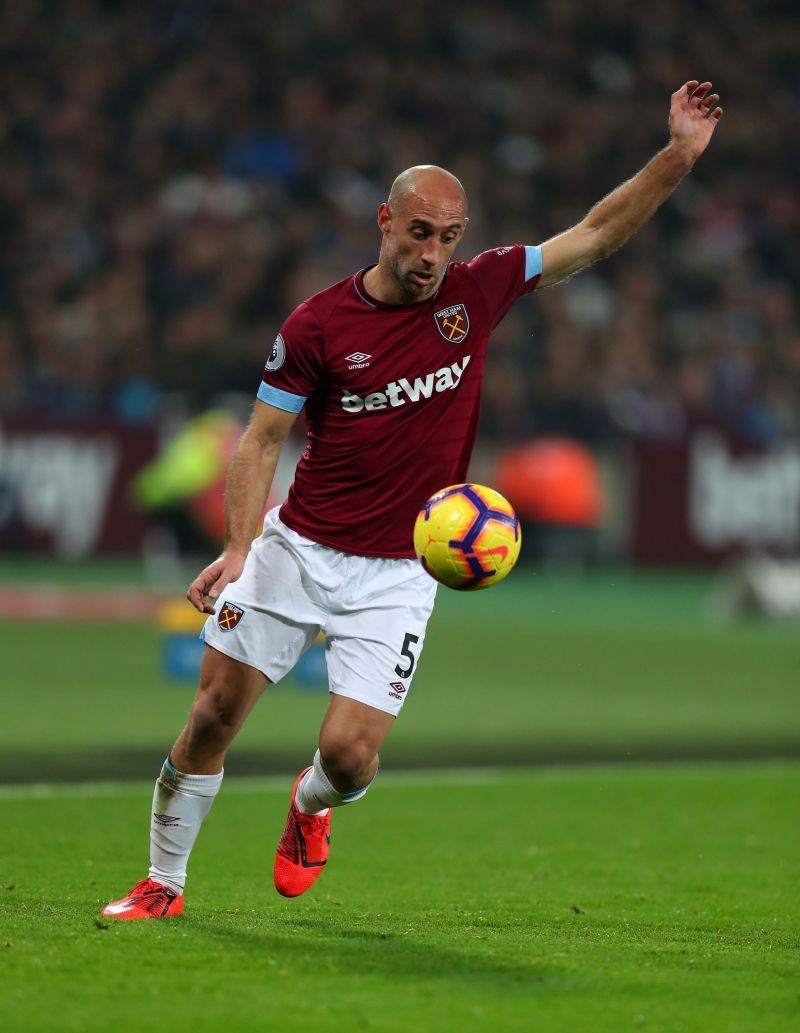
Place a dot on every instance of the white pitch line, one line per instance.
(410, 779)
(246, 784)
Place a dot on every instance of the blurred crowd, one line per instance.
(174, 178)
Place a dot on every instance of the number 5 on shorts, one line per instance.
(408, 641)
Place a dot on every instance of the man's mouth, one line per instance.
(422, 278)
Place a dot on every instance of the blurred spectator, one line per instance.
(175, 178)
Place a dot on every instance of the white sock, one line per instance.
(180, 805)
(315, 794)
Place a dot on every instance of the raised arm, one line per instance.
(249, 480)
(693, 116)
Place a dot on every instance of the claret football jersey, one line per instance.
(391, 395)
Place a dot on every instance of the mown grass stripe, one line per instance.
(402, 779)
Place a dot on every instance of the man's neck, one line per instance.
(382, 287)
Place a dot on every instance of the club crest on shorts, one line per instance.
(452, 323)
(229, 616)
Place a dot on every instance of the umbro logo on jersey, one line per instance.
(358, 359)
(398, 392)
(452, 323)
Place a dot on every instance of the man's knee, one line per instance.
(347, 762)
(228, 690)
(216, 709)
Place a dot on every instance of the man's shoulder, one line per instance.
(492, 257)
(322, 304)
(486, 268)
(308, 320)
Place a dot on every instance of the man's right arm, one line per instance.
(249, 481)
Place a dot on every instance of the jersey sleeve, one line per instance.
(293, 367)
(504, 274)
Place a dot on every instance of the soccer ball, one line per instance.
(467, 536)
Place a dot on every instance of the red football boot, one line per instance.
(303, 849)
(147, 899)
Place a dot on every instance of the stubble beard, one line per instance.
(409, 290)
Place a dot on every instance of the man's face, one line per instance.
(420, 235)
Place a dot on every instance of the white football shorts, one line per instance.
(373, 612)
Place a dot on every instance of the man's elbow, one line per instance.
(261, 440)
(268, 427)
(599, 242)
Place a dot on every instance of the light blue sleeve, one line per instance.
(281, 399)
(533, 261)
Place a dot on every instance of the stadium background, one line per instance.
(175, 178)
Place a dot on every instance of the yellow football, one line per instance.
(467, 537)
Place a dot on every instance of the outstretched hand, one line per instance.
(693, 116)
(209, 583)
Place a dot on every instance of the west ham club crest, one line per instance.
(452, 323)
(229, 616)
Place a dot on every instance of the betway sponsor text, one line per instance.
(398, 392)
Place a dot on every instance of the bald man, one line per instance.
(388, 366)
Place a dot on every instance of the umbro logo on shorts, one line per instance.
(229, 616)
(396, 689)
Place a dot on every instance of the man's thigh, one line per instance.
(270, 615)
(372, 653)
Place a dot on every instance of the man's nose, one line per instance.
(431, 252)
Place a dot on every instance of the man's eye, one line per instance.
(418, 234)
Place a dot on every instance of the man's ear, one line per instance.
(384, 217)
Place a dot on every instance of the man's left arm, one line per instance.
(693, 117)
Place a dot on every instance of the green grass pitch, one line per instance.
(592, 899)
(539, 669)
(585, 899)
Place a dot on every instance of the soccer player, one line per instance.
(388, 366)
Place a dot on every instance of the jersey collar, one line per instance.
(364, 295)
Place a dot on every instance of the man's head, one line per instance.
(422, 221)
